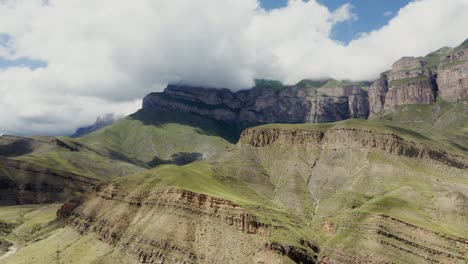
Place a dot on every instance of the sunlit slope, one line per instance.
(379, 192)
(148, 136)
(348, 191)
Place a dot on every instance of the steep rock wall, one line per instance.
(347, 137)
(452, 77)
(262, 105)
(420, 80)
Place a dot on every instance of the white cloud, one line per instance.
(388, 13)
(103, 56)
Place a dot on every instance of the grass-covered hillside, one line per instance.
(369, 191)
(330, 83)
(445, 123)
(150, 135)
(49, 169)
(434, 59)
(311, 83)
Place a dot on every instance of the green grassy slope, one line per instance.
(37, 237)
(352, 202)
(358, 203)
(330, 83)
(354, 189)
(48, 169)
(442, 122)
(147, 134)
(434, 59)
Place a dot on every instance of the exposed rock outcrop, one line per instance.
(452, 76)
(263, 105)
(172, 225)
(409, 82)
(377, 92)
(398, 236)
(420, 80)
(348, 137)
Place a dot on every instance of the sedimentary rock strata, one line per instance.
(263, 105)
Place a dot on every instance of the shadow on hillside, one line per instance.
(203, 125)
(19, 147)
(179, 159)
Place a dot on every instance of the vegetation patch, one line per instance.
(451, 64)
(268, 84)
(408, 80)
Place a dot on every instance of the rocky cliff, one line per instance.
(342, 137)
(171, 225)
(264, 105)
(421, 80)
(409, 82)
(452, 76)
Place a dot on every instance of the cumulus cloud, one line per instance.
(103, 56)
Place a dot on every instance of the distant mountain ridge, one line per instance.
(441, 75)
(290, 104)
(101, 121)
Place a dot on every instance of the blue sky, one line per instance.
(24, 62)
(372, 14)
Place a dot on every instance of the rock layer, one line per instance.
(420, 80)
(263, 105)
(399, 236)
(347, 137)
(452, 76)
(409, 82)
(171, 225)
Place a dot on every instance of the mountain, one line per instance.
(100, 122)
(273, 174)
(49, 169)
(150, 137)
(353, 191)
(289, 104)
(441, 75)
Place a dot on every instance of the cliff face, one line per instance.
(346, 137)
(263, 105)
(409, 82)
(377, 92)
(172, 225)
(420, 80)
(452, 76)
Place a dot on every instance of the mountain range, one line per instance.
(323, 171)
